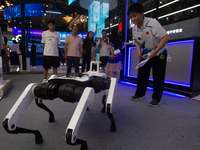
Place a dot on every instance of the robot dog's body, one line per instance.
(71, 88)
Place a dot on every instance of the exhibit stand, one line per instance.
(182, 71)
(4, 84)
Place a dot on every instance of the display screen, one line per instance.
(39, 47)
(34, 9)
(179, 63)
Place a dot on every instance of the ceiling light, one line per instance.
(168, 4)
(53, 12)
(179, 11)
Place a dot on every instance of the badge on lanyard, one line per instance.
(162, 57)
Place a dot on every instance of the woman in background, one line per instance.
(14, 52)
(87, 45)
(114, 63)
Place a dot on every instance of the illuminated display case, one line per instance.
(182, 71)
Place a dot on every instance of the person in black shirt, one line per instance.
(87, 45)
(33, 54)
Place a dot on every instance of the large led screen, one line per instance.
(34, 9)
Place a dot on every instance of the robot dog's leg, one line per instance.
(104, 101)
(19, 107)
(109, 103)
(72, 129)
(39, 103)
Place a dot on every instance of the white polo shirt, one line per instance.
(104, 50)
(51, 41)
(150, 35)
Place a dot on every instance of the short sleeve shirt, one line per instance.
(150, 35)
(13, 47)
(74, 43)
(103, 50)
(51, 41)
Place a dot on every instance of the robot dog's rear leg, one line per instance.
(110, 115)
(41, 105)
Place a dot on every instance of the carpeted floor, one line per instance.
(174, 125)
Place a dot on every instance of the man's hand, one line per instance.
(84, 52)
(139, 55)
(80, 55)
(65, 56)
(152, 54)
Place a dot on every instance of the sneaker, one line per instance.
(44, 80)
(136, 97)
(154, 103)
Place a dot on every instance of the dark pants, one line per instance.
(86, 61)
(72, 60)
(33, 60)
(158, 65)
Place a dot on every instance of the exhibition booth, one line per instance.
(182, 71)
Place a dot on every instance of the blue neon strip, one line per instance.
(149, 88)
(53, 12)
(169, 82)
(125, 62)
(180, 42)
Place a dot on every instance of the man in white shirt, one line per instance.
(104, 52)
(50, 40)
(152, 37)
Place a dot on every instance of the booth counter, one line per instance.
(182, 71)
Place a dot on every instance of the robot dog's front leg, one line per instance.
(72, 129)
(19, 107)
(109, 103)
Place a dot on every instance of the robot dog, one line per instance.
(70, 88)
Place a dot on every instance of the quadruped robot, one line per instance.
(70, 88)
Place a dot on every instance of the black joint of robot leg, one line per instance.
(69, 136)
(5, 125)
(38, 137)
(77, 142)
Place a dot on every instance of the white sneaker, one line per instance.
(44, 80)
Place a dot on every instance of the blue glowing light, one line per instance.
(70, 1)
(91, 24)
(104, 10)
(53, 12)
(95, 11)
(149, 88)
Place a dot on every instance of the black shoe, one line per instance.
(154, 103)
(136, 97)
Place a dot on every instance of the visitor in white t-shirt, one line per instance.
(104, 52)
(50, 40)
